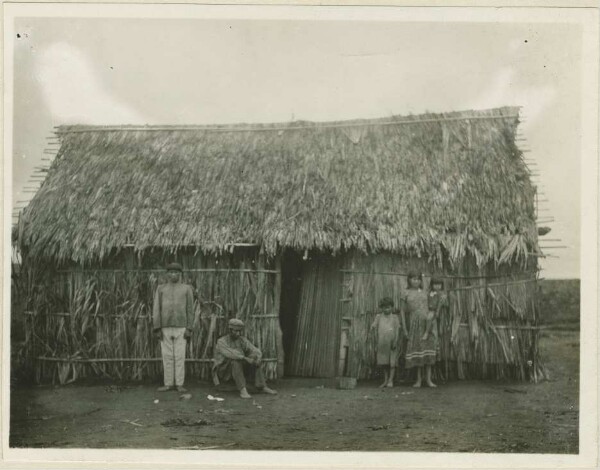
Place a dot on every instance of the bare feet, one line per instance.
(389, 385)
(431, 384)
(417, 385)
(244, 393)
(164, 388)
(268, 390)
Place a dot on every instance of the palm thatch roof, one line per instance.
(438, 184)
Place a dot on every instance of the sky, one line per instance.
(179, 71)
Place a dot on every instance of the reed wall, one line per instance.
(97, 321)
(489, 330)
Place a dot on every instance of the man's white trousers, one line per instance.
(172, 348)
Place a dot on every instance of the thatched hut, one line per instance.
(297, 228)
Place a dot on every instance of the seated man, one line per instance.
(233, 353)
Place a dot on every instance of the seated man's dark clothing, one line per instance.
(229, 361)
(234, 354)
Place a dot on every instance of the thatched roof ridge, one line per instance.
(416, 183)
(498, 113)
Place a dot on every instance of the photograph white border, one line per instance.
(469, 12)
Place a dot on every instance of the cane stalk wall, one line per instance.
(489, 330)
(96, 321)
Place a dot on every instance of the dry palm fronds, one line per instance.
(461, 187)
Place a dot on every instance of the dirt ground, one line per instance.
(311, 414)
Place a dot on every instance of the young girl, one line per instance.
(388, 328)
(421, 348)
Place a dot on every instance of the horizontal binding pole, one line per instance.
(512, 327)
(67, 314)
(54, 314)
(123, 359)
(101, 315)
(498, 284)
(125, 316)
(443, 276)
(200, 270)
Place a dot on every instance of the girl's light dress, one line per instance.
(419, 352)
(388, 327)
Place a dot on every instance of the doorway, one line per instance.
(291, 287)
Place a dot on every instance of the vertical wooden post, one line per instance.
(277, 309)
(343, 351)
(536, 201)
(130, 259)
(469, 136)
(445, 141)
(344, 345)
(349, 309)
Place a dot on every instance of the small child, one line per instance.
(388, 328)
(436, 299)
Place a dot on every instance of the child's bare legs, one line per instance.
(418, 382)
(428, 376)
(390, 382)
(385, 377)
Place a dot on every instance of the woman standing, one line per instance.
(421, 347)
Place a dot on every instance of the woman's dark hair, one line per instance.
(434, 281)
(413, 275)
(386, 302)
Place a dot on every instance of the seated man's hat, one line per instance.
(235, 323)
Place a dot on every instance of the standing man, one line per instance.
(172, 320)
(233, 353)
